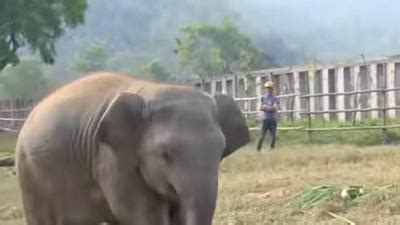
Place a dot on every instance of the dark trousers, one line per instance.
(268, 125)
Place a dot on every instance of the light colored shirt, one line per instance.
(270, 100)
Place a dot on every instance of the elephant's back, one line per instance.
(78, 100)
(93, 88)
(90, 87)
(54, 119)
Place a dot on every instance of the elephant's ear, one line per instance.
(233, 124)
(123, 120)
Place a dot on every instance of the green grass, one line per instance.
(255, 188)
(7, 143)
(356, 137)
(10, 202)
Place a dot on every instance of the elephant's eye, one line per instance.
(167, 152)
(167, 156)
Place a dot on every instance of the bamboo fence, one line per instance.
(14, 112)
(308, 112)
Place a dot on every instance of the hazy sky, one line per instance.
(289, 30)
(330, 28)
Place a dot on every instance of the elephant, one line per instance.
(110, 148)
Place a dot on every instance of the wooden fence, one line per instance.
(309, 114)
(13, 113)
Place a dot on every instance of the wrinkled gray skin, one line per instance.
(96, 151)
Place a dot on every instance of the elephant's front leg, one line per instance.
(130, 200)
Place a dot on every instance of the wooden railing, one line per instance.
(308, 113)
(13, 113)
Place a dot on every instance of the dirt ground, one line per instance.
(254, 188)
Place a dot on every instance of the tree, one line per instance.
(92, 58)
(155, 70)
(26, 80)
(36, 24)
(209, 51)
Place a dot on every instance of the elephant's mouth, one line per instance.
(174, 213)
(174, 208)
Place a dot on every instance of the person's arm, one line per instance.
(265, 107)
(271, 108)
(268, 107)
(262, 105)
(276, 105)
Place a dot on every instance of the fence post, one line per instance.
(309, 132)
(374, 85)
(258, 94)
(340, 105)
(356, 97)
(384, 93)
(325, 90)
(297, 99)
(13, 112)
(311, 90)
(224, 89)
(390, 83)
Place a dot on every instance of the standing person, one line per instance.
(269, 105)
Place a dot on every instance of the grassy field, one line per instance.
(355, 137)
(7, 143)
(255, 188)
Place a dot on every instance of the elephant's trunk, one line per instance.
(198, 209)
(197, 214)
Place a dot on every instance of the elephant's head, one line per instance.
(177, 139)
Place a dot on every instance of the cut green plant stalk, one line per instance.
(313, 196)
(309, 198)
